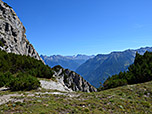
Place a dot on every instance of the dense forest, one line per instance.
(19, 72)
(140, 71)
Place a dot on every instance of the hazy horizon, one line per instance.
(97, 53)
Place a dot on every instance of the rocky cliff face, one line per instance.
(72, 80)
(13, 40)
(12, 33)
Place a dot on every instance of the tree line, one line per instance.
(20, 72)
(140, 71)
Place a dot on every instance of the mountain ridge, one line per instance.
(70, 62)
(99, 68)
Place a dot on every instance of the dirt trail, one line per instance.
(50, 85)
(11, 97)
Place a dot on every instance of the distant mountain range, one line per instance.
(99, 68)
(70, 62)
(96, 69)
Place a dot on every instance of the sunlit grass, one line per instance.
(127, 99)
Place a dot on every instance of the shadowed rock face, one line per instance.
(12, 33)
(72, 80)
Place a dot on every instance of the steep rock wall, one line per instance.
(12, 33)
(72, 80)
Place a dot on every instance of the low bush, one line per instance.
(23, 82)
(5, 78)
(13, 63)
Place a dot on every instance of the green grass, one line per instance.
(130, 99)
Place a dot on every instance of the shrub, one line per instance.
(114, 83)
(2, 78)
(23, 82)
(139, 72)
(5, 78)
(13, 63)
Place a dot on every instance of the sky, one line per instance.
(70, 27)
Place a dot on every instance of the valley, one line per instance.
(114, 83)
(67, 62)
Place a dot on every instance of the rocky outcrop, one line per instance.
(72, 80)
(54, 85)
(12, 33)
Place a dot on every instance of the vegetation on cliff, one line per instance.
(19, 72)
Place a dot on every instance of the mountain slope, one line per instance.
(70, 62)
(130, 99)
(139, 72)
(99, 68)
(18, 68)
(13, 40)
(12, 33)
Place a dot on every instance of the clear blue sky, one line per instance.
(70, 27)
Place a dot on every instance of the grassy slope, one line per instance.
(131, 99)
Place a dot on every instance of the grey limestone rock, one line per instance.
(73, 80)
(12, 33)
(13, 40)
